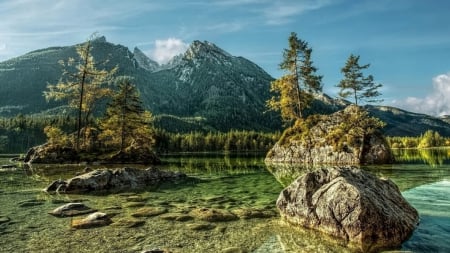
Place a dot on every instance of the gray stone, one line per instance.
(71, 209)
(349, 203)
(96, 219)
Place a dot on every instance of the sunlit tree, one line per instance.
(292, 92)
(82, 85)
(126, 123)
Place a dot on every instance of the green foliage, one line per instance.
(56, 136)
(356, 84)
(126, 122)
(429, 139)
(300, 130)
(82, 85)
(247, 141)
(292, 92)
(25, 131)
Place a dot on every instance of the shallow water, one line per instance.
(220, 182)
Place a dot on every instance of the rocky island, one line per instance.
(346, 137)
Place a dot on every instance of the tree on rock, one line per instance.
(82, 85)
(126, 123)
(356, 84)
(293, 90)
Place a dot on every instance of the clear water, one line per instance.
(222, 182)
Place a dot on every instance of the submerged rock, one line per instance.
(128, 222)
(114, 179)
(4, 219)
(71, 209)
(351, 204)
(201, 226)
(251, 213)
(149, 212)
(213, 215)
(96, 219)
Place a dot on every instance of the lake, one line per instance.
(224, 182)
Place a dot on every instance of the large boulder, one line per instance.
(346, 137)
(349, 203)
(114, 180)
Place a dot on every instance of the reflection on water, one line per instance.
(434, 157)
(227, 182)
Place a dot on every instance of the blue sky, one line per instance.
(407, 42)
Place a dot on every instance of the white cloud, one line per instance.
(165, 50)
(282, 12)
(436, 103)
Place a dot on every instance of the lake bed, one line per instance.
(221, 182)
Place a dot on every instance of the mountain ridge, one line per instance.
(221, 91)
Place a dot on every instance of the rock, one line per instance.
(128, 223)
(114, 180)
(156, 251)
(135, 198)
(201, 226)
(8, 166)
(134, 155)
(251, 213)
(56, 186)
(176, 217)
(31, 202)
(96, 219)
(341, 138)
(351, 204)
(149, 212)
(51, 154)
(234, 250)
(134, 204)
(71, 209)
(213, 215)
(4, 219)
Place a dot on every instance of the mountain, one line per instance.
(404, 123)
(203, 89)
(398, 122)
(206, 83)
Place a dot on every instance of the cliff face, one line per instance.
(346, 137)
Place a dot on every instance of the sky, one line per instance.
(406, 42)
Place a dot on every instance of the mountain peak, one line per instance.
(199, 49)
(99, 39)
(144, 61)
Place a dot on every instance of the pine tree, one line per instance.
(293, 90)
(356, 84)
(126, 123)
(82, 86)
